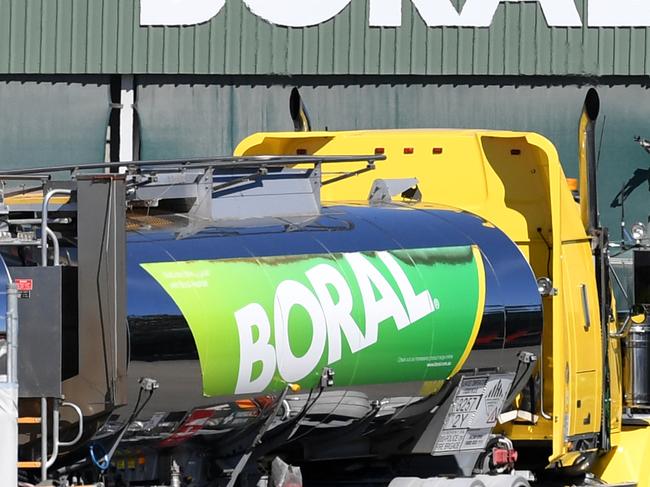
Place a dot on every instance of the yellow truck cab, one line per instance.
(515, 181)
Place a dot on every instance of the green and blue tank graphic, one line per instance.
(373, 317)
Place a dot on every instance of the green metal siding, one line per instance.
(184, 119)
(52, 120)
(104, 36)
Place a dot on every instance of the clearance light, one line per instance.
(573, 184)
(436, 151)
(409, 150)
(379, 151)
(246, 405)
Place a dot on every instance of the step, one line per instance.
(29, 420)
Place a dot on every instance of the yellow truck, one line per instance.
(590, 414)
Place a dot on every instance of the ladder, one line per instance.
(9, 419)
(47, 458)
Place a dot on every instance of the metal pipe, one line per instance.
(38, 221)
(44, 228)
(81, 424)
(49, 461)
(43, 439)
(55, 246)
(9, 397)
(216, 162)
(298, 111)
(587, 161)
(12, 333)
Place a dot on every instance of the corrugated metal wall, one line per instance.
(104, 36)
(185, 118)
(53, 120)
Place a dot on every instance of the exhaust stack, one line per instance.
(587, 161)
(299, 115)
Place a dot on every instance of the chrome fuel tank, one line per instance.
(176, 281)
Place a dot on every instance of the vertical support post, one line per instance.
(9, 396)
(43, 439)
(127, 119)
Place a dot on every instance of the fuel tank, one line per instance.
(383, 299)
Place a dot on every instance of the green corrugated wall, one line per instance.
(104, 36)
(198, 118)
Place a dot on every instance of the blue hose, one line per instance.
(103, 462)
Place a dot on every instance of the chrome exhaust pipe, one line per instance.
(587, 161)
(299, 115)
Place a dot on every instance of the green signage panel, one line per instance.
(373, 317)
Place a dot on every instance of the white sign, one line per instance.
(388, 13)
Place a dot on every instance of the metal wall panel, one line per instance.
(181, 118)
(104, 36)
(53, 120)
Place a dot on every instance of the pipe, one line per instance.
(44, 228)
(298, 111)
(49, 461)
(43, 439)
(12, 334)
(81, 424)
(587, 161)
(55, 246)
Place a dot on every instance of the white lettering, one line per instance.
(376, 310)
(388, 13)
(296, 13)
(337, 315)
(385, 13)
(178, 12)
(621, 13)
(251, 351)
(418, 306)
(480, 13)
(287, 295)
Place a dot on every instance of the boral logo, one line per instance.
(374, 317)
(388, 13)
(329, 319)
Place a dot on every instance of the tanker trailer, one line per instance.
(264, 324)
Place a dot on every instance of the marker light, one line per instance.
(437, 150)
(638, 231)
(409, 150)
(301, 152)
(379, 151)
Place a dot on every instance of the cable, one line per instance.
(103, 461)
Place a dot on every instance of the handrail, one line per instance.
(45, 231)
(215, 162)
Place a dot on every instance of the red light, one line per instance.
(437, 150)
(301, 152)
(379, 150)
(515, 152)
(409, 150)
